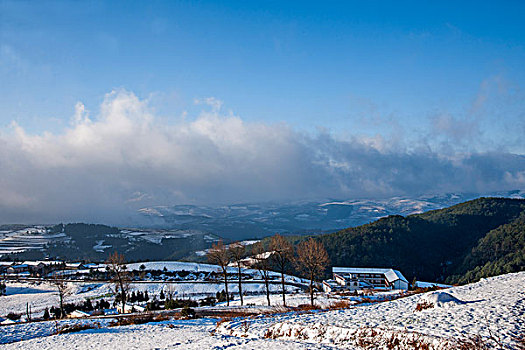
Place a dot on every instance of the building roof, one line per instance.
(391, 275)
(43, 262)
(21, 266)
(79, 313)
(331, 283)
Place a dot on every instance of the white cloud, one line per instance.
(103, 168)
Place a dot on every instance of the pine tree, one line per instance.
(46, 314)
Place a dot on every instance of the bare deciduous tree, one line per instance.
(116, 266)
(263, 265)
(282, 255)
(237, 251)
(60, 284)
(218, 254)
(312, 259)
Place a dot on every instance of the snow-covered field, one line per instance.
(29, 238)
(493, 308)
(204, 268)
(42, 295)
(189, 334)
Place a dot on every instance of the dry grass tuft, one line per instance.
(139, 319)
(340, 304)
(424, 305)
(77, 327)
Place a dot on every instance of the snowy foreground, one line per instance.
(493, 309)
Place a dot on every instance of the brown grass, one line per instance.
(77, 327)
(424, 305)
(305, 307)
(222, 320)
(139, 319)
(340, 304)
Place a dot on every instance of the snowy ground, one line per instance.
(322, 300)
(41, 295)
(493, 308)
(190, 334)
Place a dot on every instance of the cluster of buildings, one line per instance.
(40, 267)
(359, 278)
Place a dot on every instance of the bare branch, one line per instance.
(218, 254)
(312, 259)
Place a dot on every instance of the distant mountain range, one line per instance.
(242, 221)
(460, 243)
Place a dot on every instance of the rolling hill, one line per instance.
(465, 242)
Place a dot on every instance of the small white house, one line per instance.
(78, 314)
(6, 321)
(330, 286)
(130, 308)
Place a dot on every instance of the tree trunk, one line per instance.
(61, 296)
(240, 283)
(122, 296)
(312, 290)
(283, 288)
(267, 290)
(226, 287)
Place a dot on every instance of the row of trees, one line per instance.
(120, 280)
(310, 258)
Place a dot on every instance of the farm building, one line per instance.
(130, 309)
(364, 277)
(78, 314)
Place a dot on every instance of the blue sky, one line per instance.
(309, 64)
(401, 77)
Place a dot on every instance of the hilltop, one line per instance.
(468, 241)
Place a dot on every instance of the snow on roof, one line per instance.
(74, 264)
(79, 313)
(390, 274)
(331, 283)
(20, 266)
(44, 262)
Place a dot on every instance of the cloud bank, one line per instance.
(104, 168)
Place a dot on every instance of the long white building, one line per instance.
(368, 277)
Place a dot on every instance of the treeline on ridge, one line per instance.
(459, 244)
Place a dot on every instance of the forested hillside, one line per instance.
(475, 239)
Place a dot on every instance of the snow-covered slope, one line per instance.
(191, 335)
(493, 308)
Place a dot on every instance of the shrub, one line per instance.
(306, 307)
(340, 304)
(187, 312)
(424, 305)
(139, 319)
(46, 314)
(77, 327)
(12, 316)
